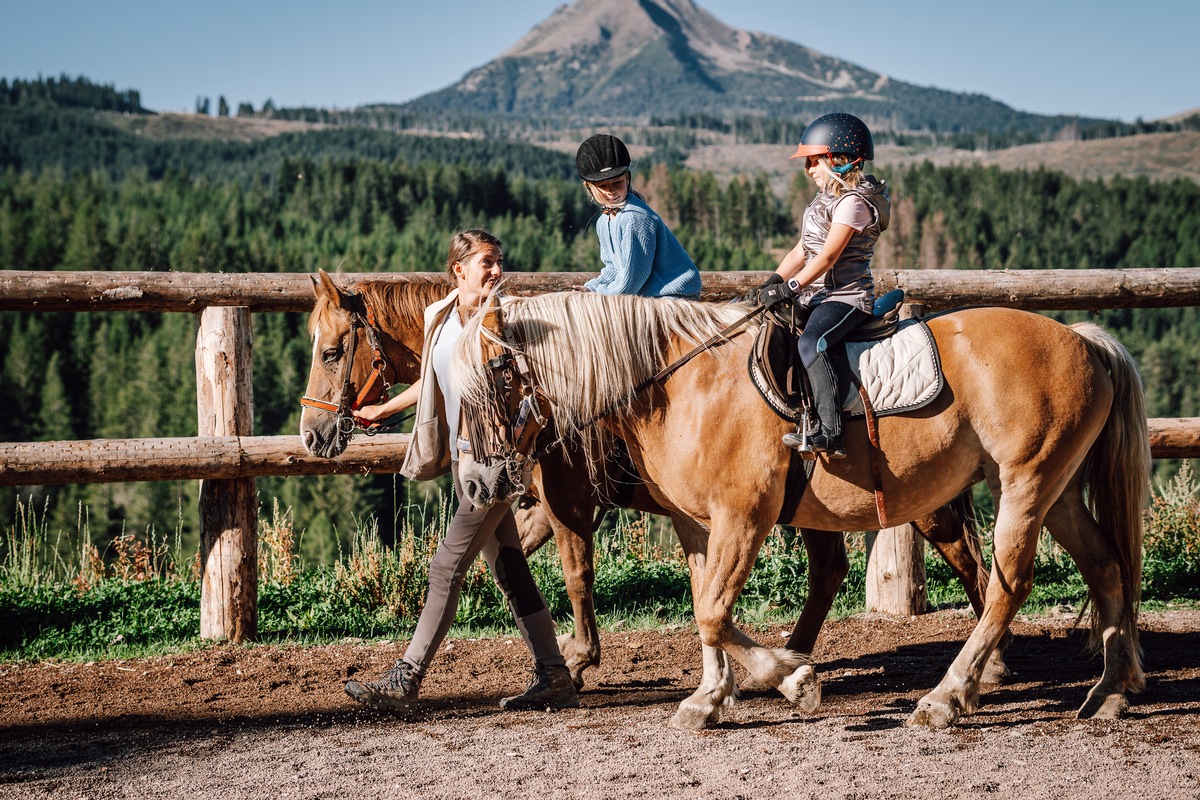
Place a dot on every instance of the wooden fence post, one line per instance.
(896, 556)
(896, 571)
(228, 508)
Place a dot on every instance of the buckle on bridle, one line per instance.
(362, 315)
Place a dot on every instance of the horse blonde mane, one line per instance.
(589, 352)
(395, 302)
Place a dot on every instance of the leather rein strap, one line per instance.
(873, 437)
(665, 372)
(720, 336)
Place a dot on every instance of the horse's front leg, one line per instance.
(575, 539)
(576, 550)
(718, 687)
(716, 692)
(732, 548)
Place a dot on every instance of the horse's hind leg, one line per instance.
(827, 568)
(1073, 527)
(1018, 523)
(951, 531)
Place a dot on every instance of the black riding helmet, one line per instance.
(602, 157)
(837, 133)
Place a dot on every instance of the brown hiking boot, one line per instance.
(396, 690)
(550, 688)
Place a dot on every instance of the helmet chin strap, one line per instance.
(844, 168)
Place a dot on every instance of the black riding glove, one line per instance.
(773, 291)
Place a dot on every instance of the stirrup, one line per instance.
(832, 446)
(798, 441)
(802, 440)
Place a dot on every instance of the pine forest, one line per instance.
(77, 193)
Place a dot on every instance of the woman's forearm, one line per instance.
(401, 402)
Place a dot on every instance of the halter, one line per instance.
(511, 437)
(376, 383)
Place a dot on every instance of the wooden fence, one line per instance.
(226, 457)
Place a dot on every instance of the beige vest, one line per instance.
(428, 453)
(429, 450)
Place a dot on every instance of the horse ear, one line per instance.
(325, 287)
(493, 318)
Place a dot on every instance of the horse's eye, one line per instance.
(332, 356)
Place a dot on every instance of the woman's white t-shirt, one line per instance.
(443, 353)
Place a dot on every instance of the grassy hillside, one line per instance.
(1156, 156)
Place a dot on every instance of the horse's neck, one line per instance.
(407, 333)
(402, 326)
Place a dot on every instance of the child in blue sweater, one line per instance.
(640, 254)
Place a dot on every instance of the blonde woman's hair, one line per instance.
(467, 243)
(839, 184)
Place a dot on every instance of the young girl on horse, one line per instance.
(828, 272)
(476, 263)
(640, 254)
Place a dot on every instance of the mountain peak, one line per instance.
(625, 26)
(635, 59)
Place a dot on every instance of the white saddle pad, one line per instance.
(900, 373)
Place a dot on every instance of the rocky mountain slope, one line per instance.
(634, 59)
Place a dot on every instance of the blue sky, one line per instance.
(1102, 58)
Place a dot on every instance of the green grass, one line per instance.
(67, 599)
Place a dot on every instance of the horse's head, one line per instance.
(502, 412)
(348, 370)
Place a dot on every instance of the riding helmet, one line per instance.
(602, 157)
(837, 133)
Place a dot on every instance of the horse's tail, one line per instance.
(1117, 470)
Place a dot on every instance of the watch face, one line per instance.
(793, 284)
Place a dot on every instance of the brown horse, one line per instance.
(564, 501)
(1037, 409)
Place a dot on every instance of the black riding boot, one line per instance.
(823, 380)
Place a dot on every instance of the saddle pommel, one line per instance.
(884, 304)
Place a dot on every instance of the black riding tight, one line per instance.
(828, 324)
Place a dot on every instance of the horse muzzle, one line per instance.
(326, 438)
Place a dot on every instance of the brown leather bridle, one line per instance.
(514, 412)
(375, 387)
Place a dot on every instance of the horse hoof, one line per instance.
(995, 671)
(694, 717)
(569, 646)
(932, 714)
(801, 688)
(1110, 706)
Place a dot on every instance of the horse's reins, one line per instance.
(721, 336)
(346, 422)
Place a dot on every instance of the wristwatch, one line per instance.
(793, 284)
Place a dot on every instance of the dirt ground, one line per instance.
(272, 721)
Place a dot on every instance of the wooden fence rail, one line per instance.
(226, 458)
(190, 458)
(1034, 290)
